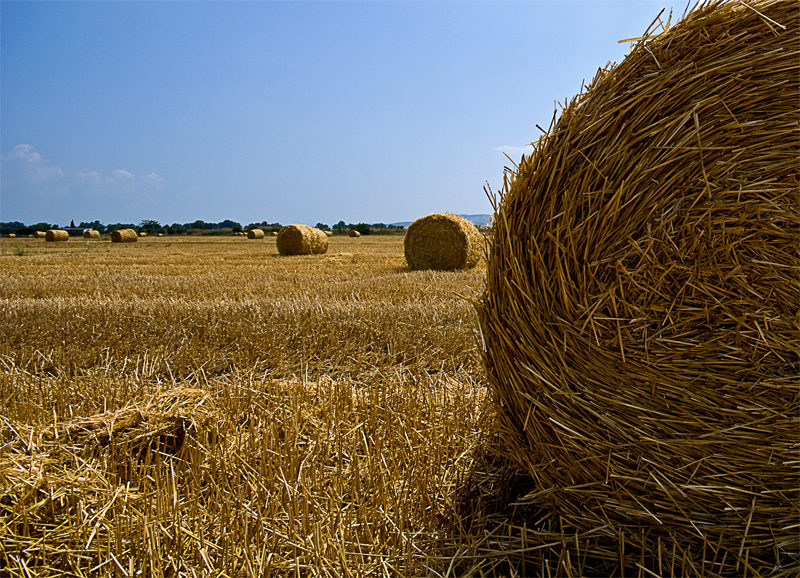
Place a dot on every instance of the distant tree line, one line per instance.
(152, 227)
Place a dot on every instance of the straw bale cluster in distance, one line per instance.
(641, 311)
(301, 240)
(443, 241)
(92, 234)
(255, 234)
(354, 233)
(124, 236)
(56, 235)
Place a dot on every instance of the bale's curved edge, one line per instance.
(124, 236)
(443, 241)
(641, 311)
(301, 240)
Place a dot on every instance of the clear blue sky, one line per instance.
(296, 112)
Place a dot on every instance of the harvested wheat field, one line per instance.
(197, 406)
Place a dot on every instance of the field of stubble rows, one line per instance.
(202, 406)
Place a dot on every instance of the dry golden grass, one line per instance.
(198, 406)
(195, 406)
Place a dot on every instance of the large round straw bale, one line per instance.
(354, 233)
(92, 234)
(301, 240)
(39, 234)
(55, 235)
(124, 236)
(443, 241)
(255, 234)
(640, 317)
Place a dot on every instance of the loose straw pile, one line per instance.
(641, 312)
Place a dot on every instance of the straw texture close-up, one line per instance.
(55, 235)
(124, 236)
(301, 240)
(640, 320)
(443, 241)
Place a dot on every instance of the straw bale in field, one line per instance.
(91, 234)
(124, 236)
(354, 233)
(255, 234)
(443, 241)
(56, 235)
(11, 235)
(301, 240)
(329, 233)
(274, 233)
(39, 234)
(161, 234)
(142, 234)
(160, 423)
(640, 317)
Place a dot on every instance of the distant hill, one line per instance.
(478, 220)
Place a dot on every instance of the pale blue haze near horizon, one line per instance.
(295, 112)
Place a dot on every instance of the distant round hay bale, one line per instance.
(39, 235)
(124, 236)
(161, 234)
(301, 240)
(255, 234)
(56, 235)
(11, 235)
(640, 318)
(274, 233)
(329, 233)
(443, 241)
(91, 234)
(354, 233)
(142, 234)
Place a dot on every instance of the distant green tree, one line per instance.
(340, 226)
(150, 226)
(228, 224)
(362, 228)
(43, 227)
(322, 227)
(96, 225)
(118, 226)
(12, 227)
